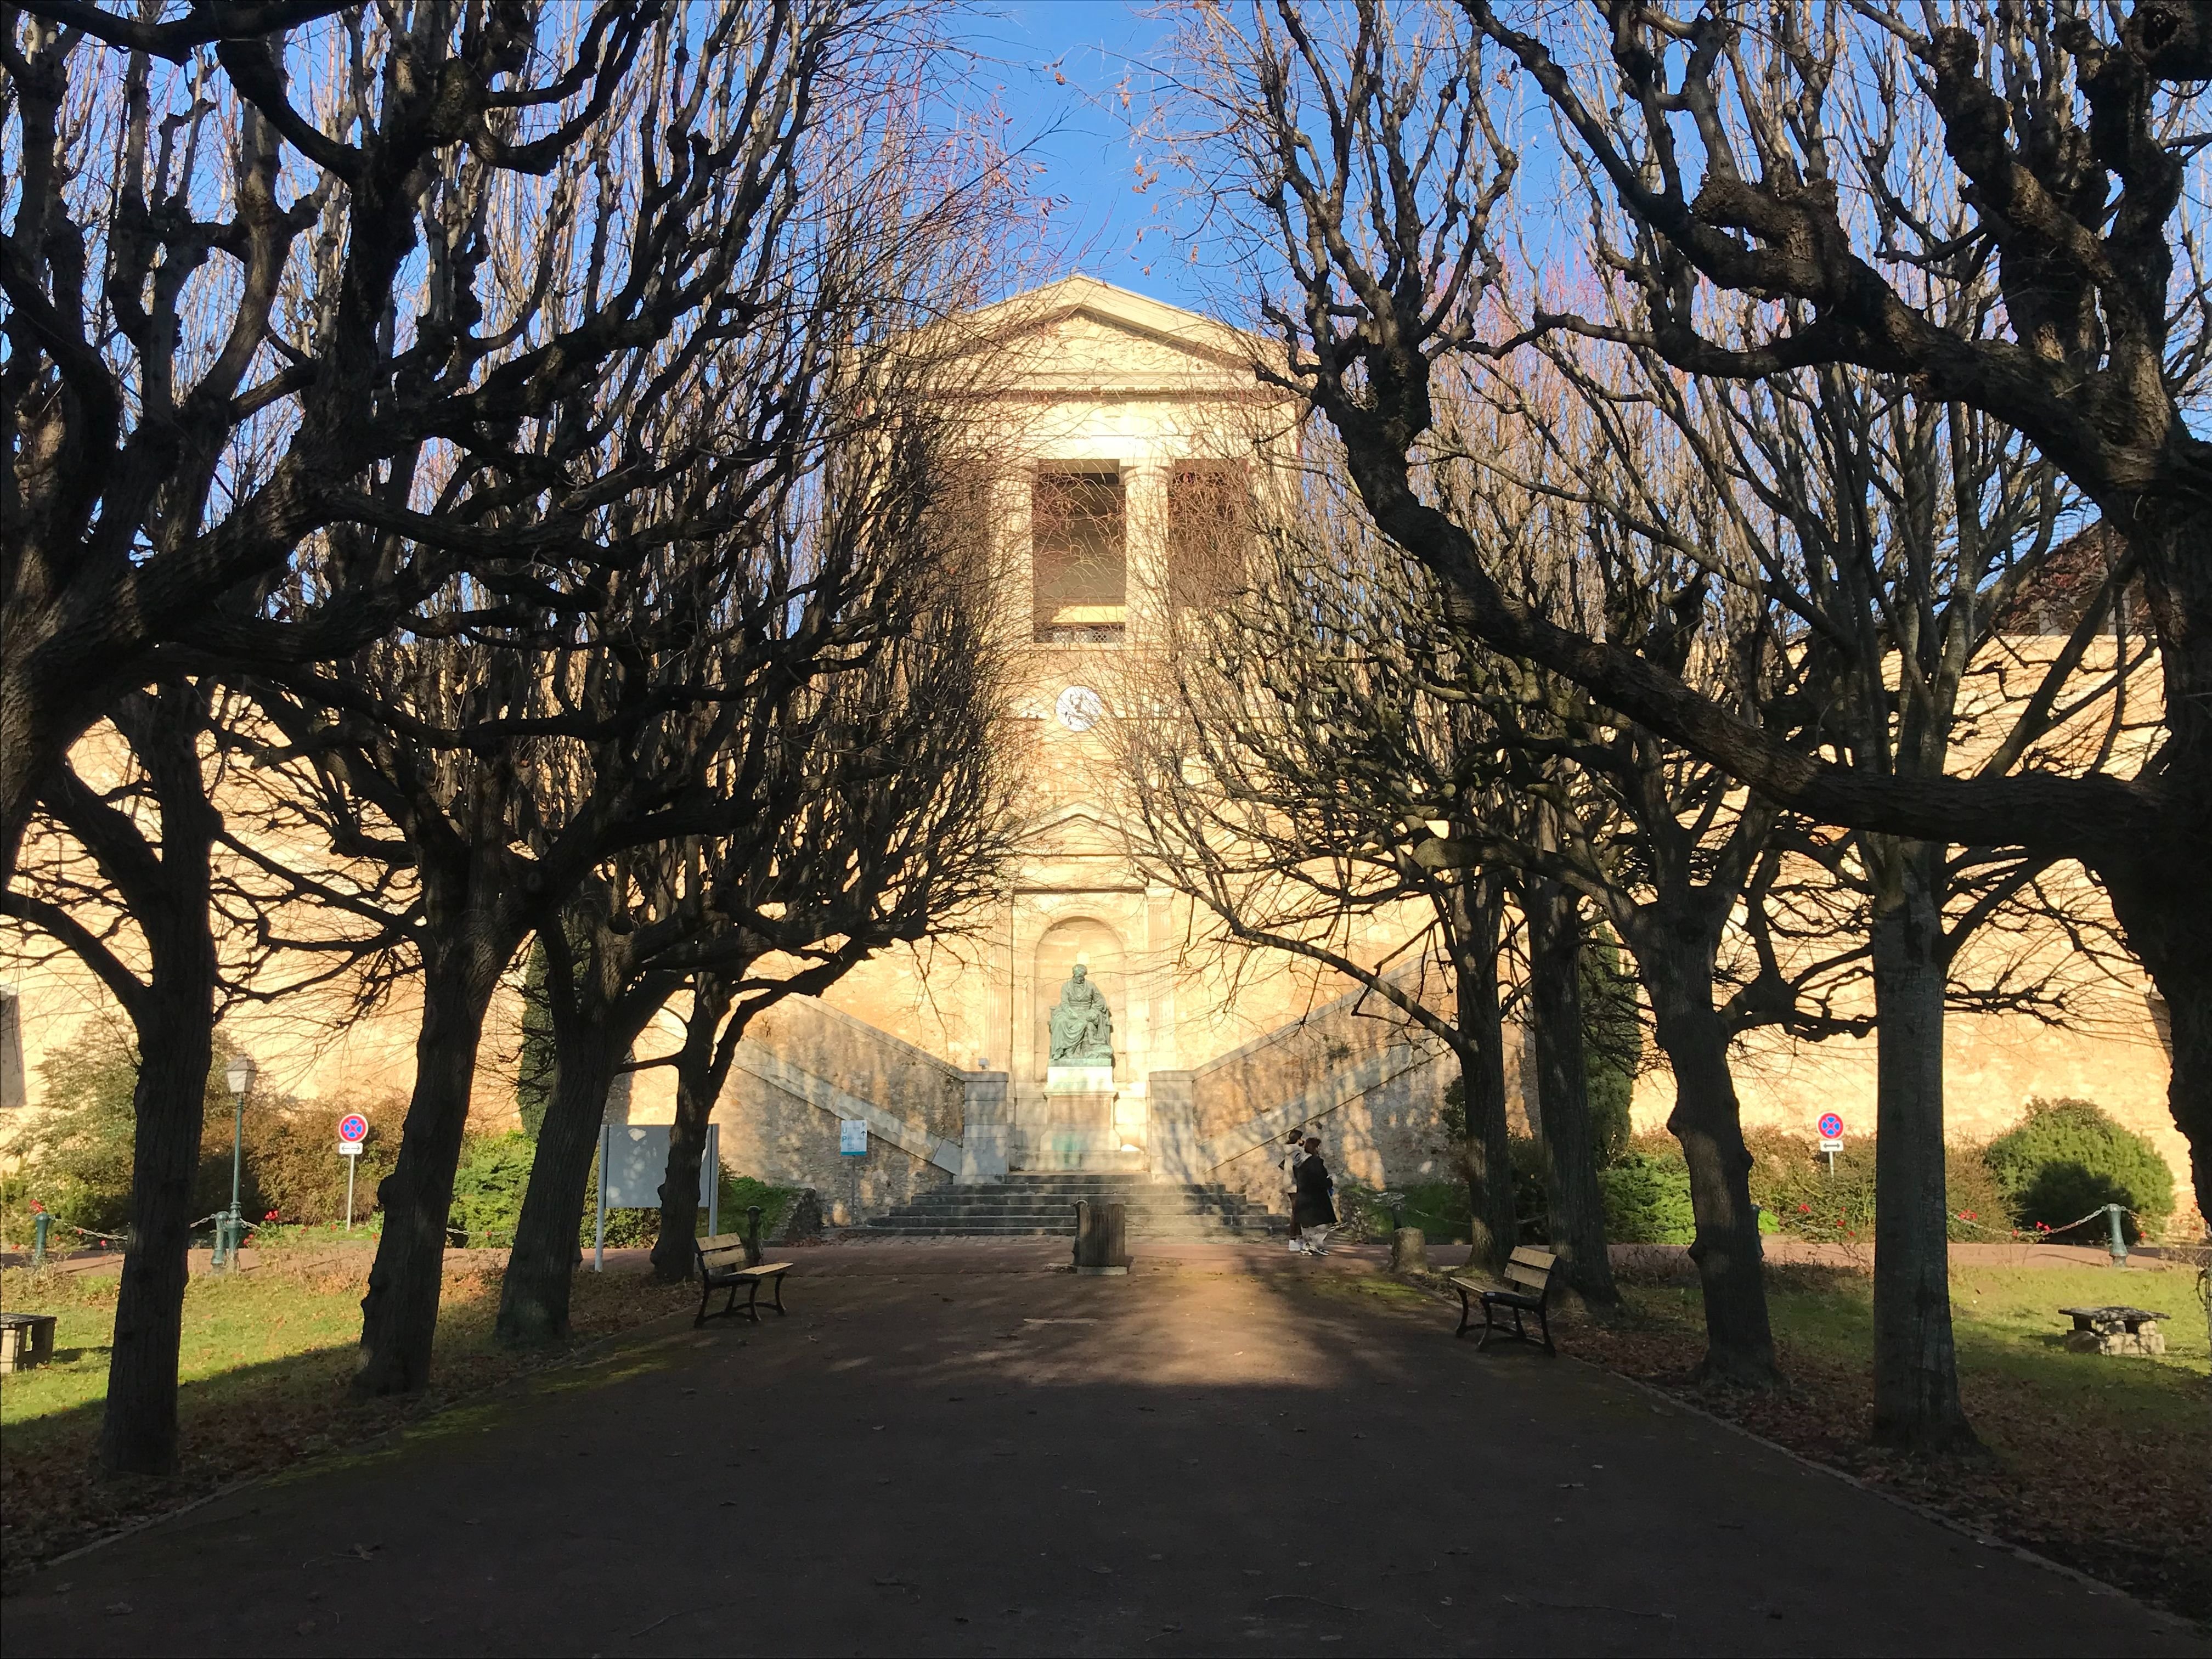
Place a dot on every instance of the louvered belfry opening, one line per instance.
(1079, 551)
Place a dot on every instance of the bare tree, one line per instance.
(174, 875)
(1306, 729)
(545, 712)
(435, 225)
(855, 811)
(1722, 160)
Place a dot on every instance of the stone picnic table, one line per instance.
(2115, 1330)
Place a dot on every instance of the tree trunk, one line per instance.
(399, 1314)
(1739, 1339)
(2166, 906)
(533, 1299)
(1482, 1073)
(138, 1428)
(1916, 1370)
(174, 1024)
(1575, 1201)
(698, 1085)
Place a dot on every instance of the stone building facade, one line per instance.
(1111, 424)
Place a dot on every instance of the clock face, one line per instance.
(1079, 708)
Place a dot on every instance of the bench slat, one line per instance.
(1517, 1274)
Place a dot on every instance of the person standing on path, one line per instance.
(1315, 1209)
(1294, 1152)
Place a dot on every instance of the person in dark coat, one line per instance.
(1316, 1213)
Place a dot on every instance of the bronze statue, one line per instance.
(1082, 1025)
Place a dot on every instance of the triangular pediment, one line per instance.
(1076, 830)
(1082, 335)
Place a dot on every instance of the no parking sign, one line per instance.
(352, 1129)
(1832, 1132)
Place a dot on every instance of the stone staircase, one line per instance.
(1043, 1206)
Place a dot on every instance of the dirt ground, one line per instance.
(965, 1448)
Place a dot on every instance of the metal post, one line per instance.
(710, 1169)
(41, 1225)
(350, 1164)
(237, 1169)
(599, 1227)
(2118, 1247)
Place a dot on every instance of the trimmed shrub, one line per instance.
(1647, 1198)
(2068, 1158)
(1612, 1042)
(1790, 1180)
(488, 1187)
(1970, 1191)
(1530, 1204)
(76, 1154)
(292, 1157)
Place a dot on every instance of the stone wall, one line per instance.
(1353, 1071)
(803, 1068)
(772, 1133)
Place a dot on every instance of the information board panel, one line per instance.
(636, 1162)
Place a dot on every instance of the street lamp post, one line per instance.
(240, 1076)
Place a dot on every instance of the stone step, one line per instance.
(1025, 1202)
(1063, 1222)
(1065, 1218)
(987, 1229)
(1038, 1203)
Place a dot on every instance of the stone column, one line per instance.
(1145, 487)
(1012, 494)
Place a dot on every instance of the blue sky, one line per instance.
(1079, 134)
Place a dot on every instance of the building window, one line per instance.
(1079, 559)
(1209, 534)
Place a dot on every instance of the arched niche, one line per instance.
(1098, 948)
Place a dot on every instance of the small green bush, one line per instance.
(1647, 1198)
(2068, 1158)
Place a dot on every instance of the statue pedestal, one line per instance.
(1073, 1128)
(1090, 1078)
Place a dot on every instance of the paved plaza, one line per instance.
(964, 1449)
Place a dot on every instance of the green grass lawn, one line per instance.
(2105, 1462)
(264, 1366)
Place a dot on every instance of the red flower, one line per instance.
(271, 1216)
(37, 1208)
(1804, 1209)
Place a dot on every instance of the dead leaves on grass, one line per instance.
(269, 1417)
